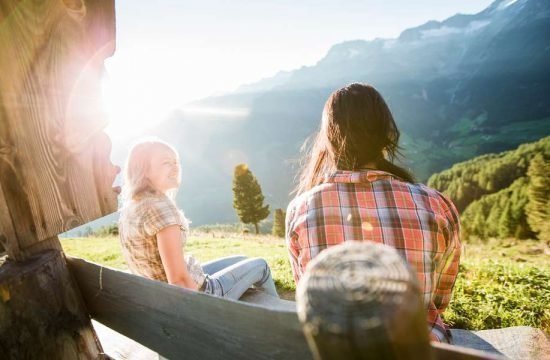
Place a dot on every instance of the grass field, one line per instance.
(501, 283)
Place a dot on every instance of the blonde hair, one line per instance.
(136, 183)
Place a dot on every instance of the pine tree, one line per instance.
(493, 220)
(506, 225)
(248, 199)
(479, 224)
(538, 207)
(278, 223)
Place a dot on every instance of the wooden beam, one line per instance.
(176, 322)
(55, 169)
(451, 352)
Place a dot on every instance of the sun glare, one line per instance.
(139, 93)
(132, 107)
(129, 109)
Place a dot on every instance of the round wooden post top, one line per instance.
(360, 300)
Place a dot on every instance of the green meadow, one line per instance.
(501, 283)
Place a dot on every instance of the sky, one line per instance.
(172, 52)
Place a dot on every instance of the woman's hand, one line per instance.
(169, 243)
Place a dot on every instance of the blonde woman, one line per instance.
(153, 231)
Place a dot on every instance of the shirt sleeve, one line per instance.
(160, 214)
(448, 268)
(292, 245)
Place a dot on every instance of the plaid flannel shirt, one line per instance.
(139, 223)
(418, 221)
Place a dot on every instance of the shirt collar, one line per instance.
(360, 176)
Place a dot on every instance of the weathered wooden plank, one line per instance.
(55, 170)
(176, 322)
(120, 347)
(516, 342)
(41, 314)
(451, 352)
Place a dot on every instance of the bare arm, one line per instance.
(171, 254)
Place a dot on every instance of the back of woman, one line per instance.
(351, 190)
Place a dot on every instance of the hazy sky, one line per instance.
(170, 52)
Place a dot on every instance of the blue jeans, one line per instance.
(231, 276)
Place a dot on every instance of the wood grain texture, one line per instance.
(6, 229)
(449, 352)
(359, 300)
(55, 169)
(41, 314)
(179, 323)
(516, 342)
(176, 322)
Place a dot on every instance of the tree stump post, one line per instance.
(41, 312)
(359, 300)
(55, 168)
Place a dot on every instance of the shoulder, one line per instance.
(311, 199)
(440, 202)
(148, 204)
(313, 193)
(155, 208)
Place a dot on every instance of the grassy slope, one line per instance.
(502, 283)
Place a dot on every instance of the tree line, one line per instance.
(502, 195)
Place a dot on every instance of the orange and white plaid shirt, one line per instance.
(140, 221)
(418, 221)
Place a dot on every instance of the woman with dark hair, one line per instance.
(350, 189)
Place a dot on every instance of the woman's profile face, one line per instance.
(164, 169)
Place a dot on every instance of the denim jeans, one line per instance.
(231, 276)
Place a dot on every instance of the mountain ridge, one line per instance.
(455, 94)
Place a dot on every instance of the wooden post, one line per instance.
(359, 300)
(41, 314)
(55, 168)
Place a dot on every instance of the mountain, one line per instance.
(465, 86)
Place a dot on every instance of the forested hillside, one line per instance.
(502, 195)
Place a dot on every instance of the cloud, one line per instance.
(446, 30)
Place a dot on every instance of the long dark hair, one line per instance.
(357, 128)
